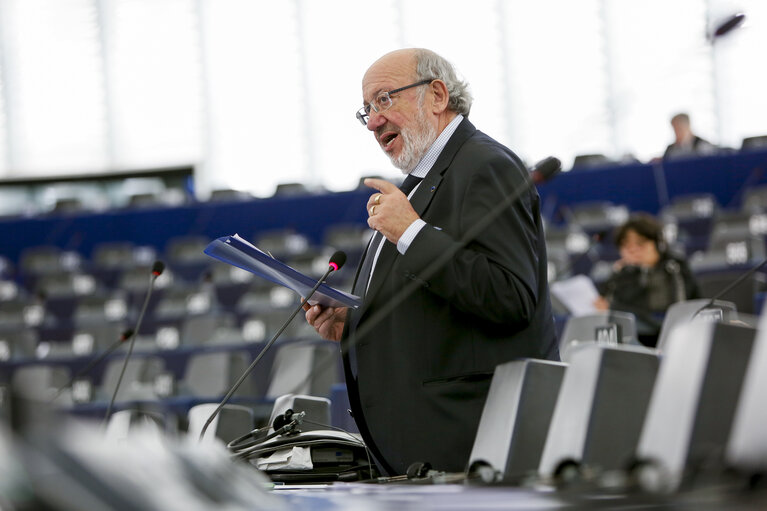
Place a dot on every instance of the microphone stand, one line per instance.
(332, 267)
(157, 270)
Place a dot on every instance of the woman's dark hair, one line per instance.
(644, 225)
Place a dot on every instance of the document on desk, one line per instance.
(237, 251)
(577, 294)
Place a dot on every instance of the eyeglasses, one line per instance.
(383, 101)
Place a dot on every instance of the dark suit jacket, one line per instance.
(418, 378)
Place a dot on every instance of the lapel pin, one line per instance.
(433, 188)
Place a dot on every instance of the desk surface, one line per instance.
(458, 497)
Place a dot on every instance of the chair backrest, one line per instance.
(212, 374)
(39, 380)
(743, 295)
(17, 343)
(698, 205)
(684, 312)
(137, 382)
(210, 329)
(231, 422)
(608, 328)
(304, 367)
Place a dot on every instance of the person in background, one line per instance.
(647, 278)
(687, 143)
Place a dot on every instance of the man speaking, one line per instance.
(418, 374)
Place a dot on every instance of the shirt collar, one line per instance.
(427, 162)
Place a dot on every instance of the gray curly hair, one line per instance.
(431, 65)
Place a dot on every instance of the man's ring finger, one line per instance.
(372, 210)
(377, 200)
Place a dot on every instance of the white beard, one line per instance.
(415, 142)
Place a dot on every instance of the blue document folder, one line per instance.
(237, 251)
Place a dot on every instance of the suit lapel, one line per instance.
(420, 202)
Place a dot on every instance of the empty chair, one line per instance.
(516, 418)
(136, 280)
(291, 190)
(734, 225)
(693, 214)
(113, 255)
(179, 302)
(230, 283)
(66, 285)
(283, 243)
(215, 328)
(43, 260)
(265, 298)
(598, 216)
(690, 206)
(39, 381)
(347, 237)
(210, 375)
(95, 337)
(185, 255)
(21, 313)
(571, 249)
(122, 422)
(187, 249)
(231, 422)
(607, 328)
(755, 199)
(101, 308)
(600, 409)
(229, 195)
(727, 234)
(304, 367)
(585, 161)
(742, 295)
(755, 142)
(17, 343)
(261, 326)
(138, 379)
(735, 253)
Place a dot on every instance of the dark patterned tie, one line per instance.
(409, 183)
(360, 286)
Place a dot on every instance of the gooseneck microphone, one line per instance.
(127, 334)
(157, 268)
(337, 260)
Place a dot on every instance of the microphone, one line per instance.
(731, 23)
(127, 334)
(337, 260)
(543, 171)
(157, 268)
(730, 287)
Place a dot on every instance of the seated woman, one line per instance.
(647, 278)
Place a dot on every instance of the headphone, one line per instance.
(284, 424)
